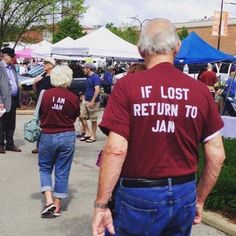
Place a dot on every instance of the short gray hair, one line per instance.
(158, 36)
(209, 66)
(61, 76)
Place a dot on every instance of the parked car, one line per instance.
(78, 85)
(224, 70)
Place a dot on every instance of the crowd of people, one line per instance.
(155, 119)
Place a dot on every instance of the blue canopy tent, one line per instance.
(195, 50)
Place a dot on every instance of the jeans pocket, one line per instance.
(135, 221)
(190, 210)
(68, 140)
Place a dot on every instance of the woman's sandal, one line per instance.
(48, 210)
(57, 213)
(90, 140)
(84, 138)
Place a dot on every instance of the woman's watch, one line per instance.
(100, 205)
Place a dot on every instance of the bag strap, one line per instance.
(36, 111)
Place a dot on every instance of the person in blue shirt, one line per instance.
(226, 90)
(230, 89)
(91, 103)
(107, 80)
(107, 83)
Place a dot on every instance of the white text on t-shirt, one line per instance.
(58, 103)
(164, 108)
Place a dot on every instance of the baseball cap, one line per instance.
(89, 65)
(9, 51)
(49, 60)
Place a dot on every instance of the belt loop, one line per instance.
(169, 184)
(120, 182)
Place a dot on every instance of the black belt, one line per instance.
(148, 183)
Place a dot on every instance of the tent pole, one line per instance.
(220, 23)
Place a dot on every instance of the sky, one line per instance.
(118, 12)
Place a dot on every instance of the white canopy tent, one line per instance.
(64, 47)
(19, 46)
(39, 50)
(100, 43)
(42, 49)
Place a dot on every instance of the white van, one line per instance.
(97, 61)
(223, 70)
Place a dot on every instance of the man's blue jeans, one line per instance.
(56, 152)
(157, 211)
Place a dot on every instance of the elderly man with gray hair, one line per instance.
(155, 121)
(209, 78)
(58, 112)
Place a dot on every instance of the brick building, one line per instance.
(204, 30)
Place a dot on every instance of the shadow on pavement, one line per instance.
(80, 226)
(65, 202)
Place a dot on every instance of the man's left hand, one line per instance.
(199, 213)
(90, 104)
(102, 220)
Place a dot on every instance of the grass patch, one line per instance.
(223, 196)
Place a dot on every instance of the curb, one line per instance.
(24, 112)
(219, 222)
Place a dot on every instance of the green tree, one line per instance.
(70, 8)
(129, 34)
(69, 26)
(183, 33)
(17, 16)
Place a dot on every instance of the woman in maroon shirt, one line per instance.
(58, 112)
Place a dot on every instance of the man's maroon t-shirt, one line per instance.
(58, 111)
(208, 78)
(164, 114)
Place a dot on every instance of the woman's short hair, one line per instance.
(158, 36)
(136, 67)
(61, 76)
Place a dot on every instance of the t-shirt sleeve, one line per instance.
(116, 115)
(213, 122)
(96, 81)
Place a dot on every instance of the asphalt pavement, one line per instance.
(21, 200)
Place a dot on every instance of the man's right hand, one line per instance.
(102, 220)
